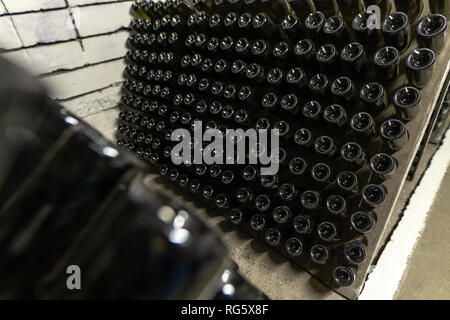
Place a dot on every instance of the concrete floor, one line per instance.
(428, 273)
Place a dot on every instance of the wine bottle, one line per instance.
(387, 64)
(297, 166)
(343, 90)
(373, 194)
(258, 222)
(431, 32)
(326, 56)
(262, 23)
(420, 66)
(353, 153)
(303, 137)
(354, 252)
(294, 247)
(297, 78)
(319, 85)
(374, 97)
(310, 200)
(336, 31)
(394, 132)
(363, 124)
(235, 216)
(273, 237)
(327, 231)
(397, 31)
(336, 205)
(321, 172)
(383, 165)
(406, 100)
(325, 145)
(290, 103)
(305, 51)
(314, 23)
(343, 276)
(366, 34)
(293, 27)
(281, 214)
(348, 181)
(319, 254)
(275, 77)
(303, 224)
(362, 222)
(353, 57)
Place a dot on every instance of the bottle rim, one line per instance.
(301, 50)
(310, 194)
(301, 142)
(259, 20)
(235, 211)
(371, 87)
(359, 22)
(272, 236)
(351, 58)
(299, 249)
(331, 209)
(321, 166)
(214, 20)
(354, 181)
(390, 50)
(324, 250)
(319, 79)
(274, 75)
(257, 222)
(280, 49)
(398, 134)
(314, 20)
(328, 141)
(269, 100)
(407, 90)
(385, 157)
(422, 27)
(335, 86)
(295, 75)
(368, 117)
(378, 188)
(317, 107)
(286, 211)
(306, 220)
(289, 101)
(369, 219)
(290, 21)
(341, 271)
(300, 161)
(245, 19)
(266, 203)
(330, 228)
(390, 18)
(330, 25)
(326, 53)
(349, 247)
(424, 62)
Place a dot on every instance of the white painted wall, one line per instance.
(77, 50)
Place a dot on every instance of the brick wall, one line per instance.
(76, 47)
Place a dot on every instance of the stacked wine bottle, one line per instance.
(339, 90)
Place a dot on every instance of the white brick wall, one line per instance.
(82, 66)
(33, 5)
